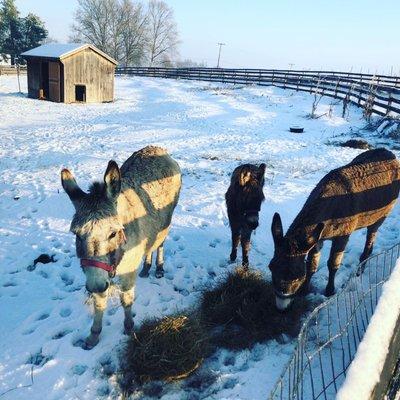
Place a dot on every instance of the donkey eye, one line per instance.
(112, 235)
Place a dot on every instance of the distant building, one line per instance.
(70, 73)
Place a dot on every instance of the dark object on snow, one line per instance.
(241, 308)
(243, 203)
(356, 144)
(43, 259)
(165, 349)
(16, 197)
(296, 129)
(358, 195)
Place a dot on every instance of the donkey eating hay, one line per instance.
(120, 221)
(358, 195)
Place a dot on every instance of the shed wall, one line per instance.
(91, 70)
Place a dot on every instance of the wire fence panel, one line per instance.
(330, 336)
(378, 94)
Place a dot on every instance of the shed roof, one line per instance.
(62, 50)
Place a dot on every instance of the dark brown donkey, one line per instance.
(358, 195)
(243, 202)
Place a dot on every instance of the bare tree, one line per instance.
(134, 33)
(125, 31)
(91, 23)
(162, 33)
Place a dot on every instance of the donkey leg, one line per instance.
(100, 304)
(160, 261)
(235, 242)
(335, 258)
(312, 263)
(371, 236)
(245, 242)
(126, 297)
(144, 273)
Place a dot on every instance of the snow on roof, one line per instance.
(62, 50)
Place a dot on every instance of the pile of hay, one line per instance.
(357, 144)
(241, 310)
(166, 349)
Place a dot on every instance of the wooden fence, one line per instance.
(12, 70)
(377, 94)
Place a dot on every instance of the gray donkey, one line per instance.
(121, 221)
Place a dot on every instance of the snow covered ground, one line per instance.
(209, 129)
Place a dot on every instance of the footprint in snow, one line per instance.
(79, 369)
(61, 334)
(43, 316)
(67, 279)
(65, 312)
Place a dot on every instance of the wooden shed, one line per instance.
(70, 73)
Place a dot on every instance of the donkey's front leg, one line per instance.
(160, 262)
(100, 304)
(312, 263)
(144, 273)
(335, 259)
(235, 242)
(245, 242)
(126, 296)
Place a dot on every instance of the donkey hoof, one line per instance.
(245, 265)
(144, 273)
(90, 342)
(159, 273)
(232, 257)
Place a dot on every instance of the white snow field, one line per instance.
(209, 129)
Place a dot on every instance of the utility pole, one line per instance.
(219, 52)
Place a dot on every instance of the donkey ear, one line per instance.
(69, 184)
(261, 170)
(315, 235)
(112, 179)
(317, 232)
(276, 228)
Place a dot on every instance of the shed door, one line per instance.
(54, 82)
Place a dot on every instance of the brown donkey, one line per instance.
(120, 221)
(243, 203)
(358, 195)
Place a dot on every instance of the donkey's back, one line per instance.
(353, 196)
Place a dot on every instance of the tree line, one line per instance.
(18, 34)
(130, 31)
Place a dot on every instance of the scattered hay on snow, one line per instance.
(241, 309)
(166, 349)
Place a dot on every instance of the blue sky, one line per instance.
(335, 34)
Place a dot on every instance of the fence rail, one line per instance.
(12, 70)
(378, 94)
(329, 337)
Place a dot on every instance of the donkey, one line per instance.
(121, 220)
(358, 195)
(243, 203)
